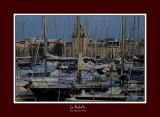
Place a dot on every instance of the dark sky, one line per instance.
(63, 26)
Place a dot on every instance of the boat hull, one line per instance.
(49, 94)
(58, 93)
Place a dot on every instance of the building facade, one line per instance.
(109, 48)
(35, 46)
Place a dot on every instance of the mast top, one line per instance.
(45, 26)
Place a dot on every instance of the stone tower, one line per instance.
(80, 40)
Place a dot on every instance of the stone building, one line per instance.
(109, 48)
(99, 49)
(80, 40)
(22, 48)
(103, 49)
(29, 47)
(134, 48)
(68, 47)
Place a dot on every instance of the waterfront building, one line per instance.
(104, 48)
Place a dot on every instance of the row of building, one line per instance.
(99, 49)
(109, 48)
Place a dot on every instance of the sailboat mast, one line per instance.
(134, 28)
(80, 51)
(45, 20)
(122, 43)
(25, 37)
(138, 41)
(24, 29)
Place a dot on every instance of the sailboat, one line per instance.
(54, 88)
(59, 89)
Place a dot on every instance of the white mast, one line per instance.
(122, 43)
(79, 49)
(45, 24)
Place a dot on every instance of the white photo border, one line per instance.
(84, 14)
